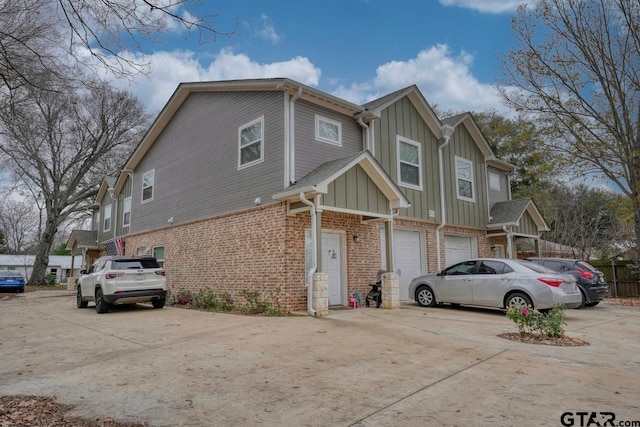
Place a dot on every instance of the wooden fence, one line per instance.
(624, 283)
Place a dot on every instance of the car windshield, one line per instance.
(585, 266)
(534, 267)
(134, 264)
(9, 273)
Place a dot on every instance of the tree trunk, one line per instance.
(39, 274)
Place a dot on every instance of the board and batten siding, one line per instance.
(527, 226)
(195, 159)
(310, 153)
(501, 195)
(124, 193)
(461, 212)
(355, 191)
(402, 118)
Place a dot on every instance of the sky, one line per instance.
(357, 50)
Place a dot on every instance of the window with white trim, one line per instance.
(329, 131)
(251, 143)
(107, 218)
(494, 181)
(158, 254)
(148, 184)
(409, 154)
(464, 179)
(126, 212)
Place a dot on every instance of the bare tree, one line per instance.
(19, 222)
(577, 71)
(44, 37)
(63, 144)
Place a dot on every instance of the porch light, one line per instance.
(356, 238)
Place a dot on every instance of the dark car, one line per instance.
(591, 281)
(11, 280)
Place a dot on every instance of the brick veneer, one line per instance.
(263, 248)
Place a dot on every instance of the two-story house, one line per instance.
(259, 184)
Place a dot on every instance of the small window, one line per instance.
(107, 218)
(158, 254)
(464, 178)
(494, 181)
(126, 212)
(148, 181)
(463, 268)
(329, 131)
(409, 163)
(251, 143)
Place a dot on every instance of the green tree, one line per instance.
(62, 250)
(576, 72)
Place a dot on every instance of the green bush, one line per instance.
(251, 301)
(531, 321)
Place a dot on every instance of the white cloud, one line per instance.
(487, 6)
(444, 79)
(267, 31)
(171, 68)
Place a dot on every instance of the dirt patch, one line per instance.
(627, 302)
(563, 341)
(20, 410)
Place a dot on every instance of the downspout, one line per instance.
(509, 244)
(314, 254)
(447, 131)
(292, 136)
(365, 126)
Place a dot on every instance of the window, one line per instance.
(158, 254)
(464, 177)
(329, 131)
(148, 180)
(251, 143)
(107, 218)
(494, 267)
(494, 181)
(409, 163)
(126, 212)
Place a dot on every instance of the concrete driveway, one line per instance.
(364, 367)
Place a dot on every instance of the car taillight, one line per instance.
(160, 273)
(114, 275)
(586, 274)
(551, 282)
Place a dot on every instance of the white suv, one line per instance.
(122, 280)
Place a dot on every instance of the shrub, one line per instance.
(531, 321)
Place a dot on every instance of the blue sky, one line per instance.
(354, 49)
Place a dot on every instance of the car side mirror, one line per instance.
(83, 272)
(440, 273)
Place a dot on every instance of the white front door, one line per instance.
(332, 266)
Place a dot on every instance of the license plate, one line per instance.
(139, 276)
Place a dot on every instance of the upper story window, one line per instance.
(494, 181)
(148, 183)
(126, 212)
(329, 131)
(251, 143)
(107, 218)
(409, 155)
(464, 179)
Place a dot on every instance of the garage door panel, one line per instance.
(408, 257)
(458, 248)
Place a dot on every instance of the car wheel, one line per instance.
(583, 301)
(101, 305)
(425, 297)
(518, 299)
(79, 301)
(158, 302)
(592, 304)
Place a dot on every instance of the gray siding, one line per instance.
(461, 212)
(124, 193)
(354, 190)
(196, 159)
(527, 226)
(501, 195)
(309, 153)
(402, 118)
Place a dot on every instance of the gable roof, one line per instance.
(108, 182)
(318, 180)
(83, 239)
(510, 212)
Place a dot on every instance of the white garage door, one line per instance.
(408, 257)
(458, 248)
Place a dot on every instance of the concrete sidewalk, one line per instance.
(367, 366)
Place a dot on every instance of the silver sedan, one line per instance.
(498, 283)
